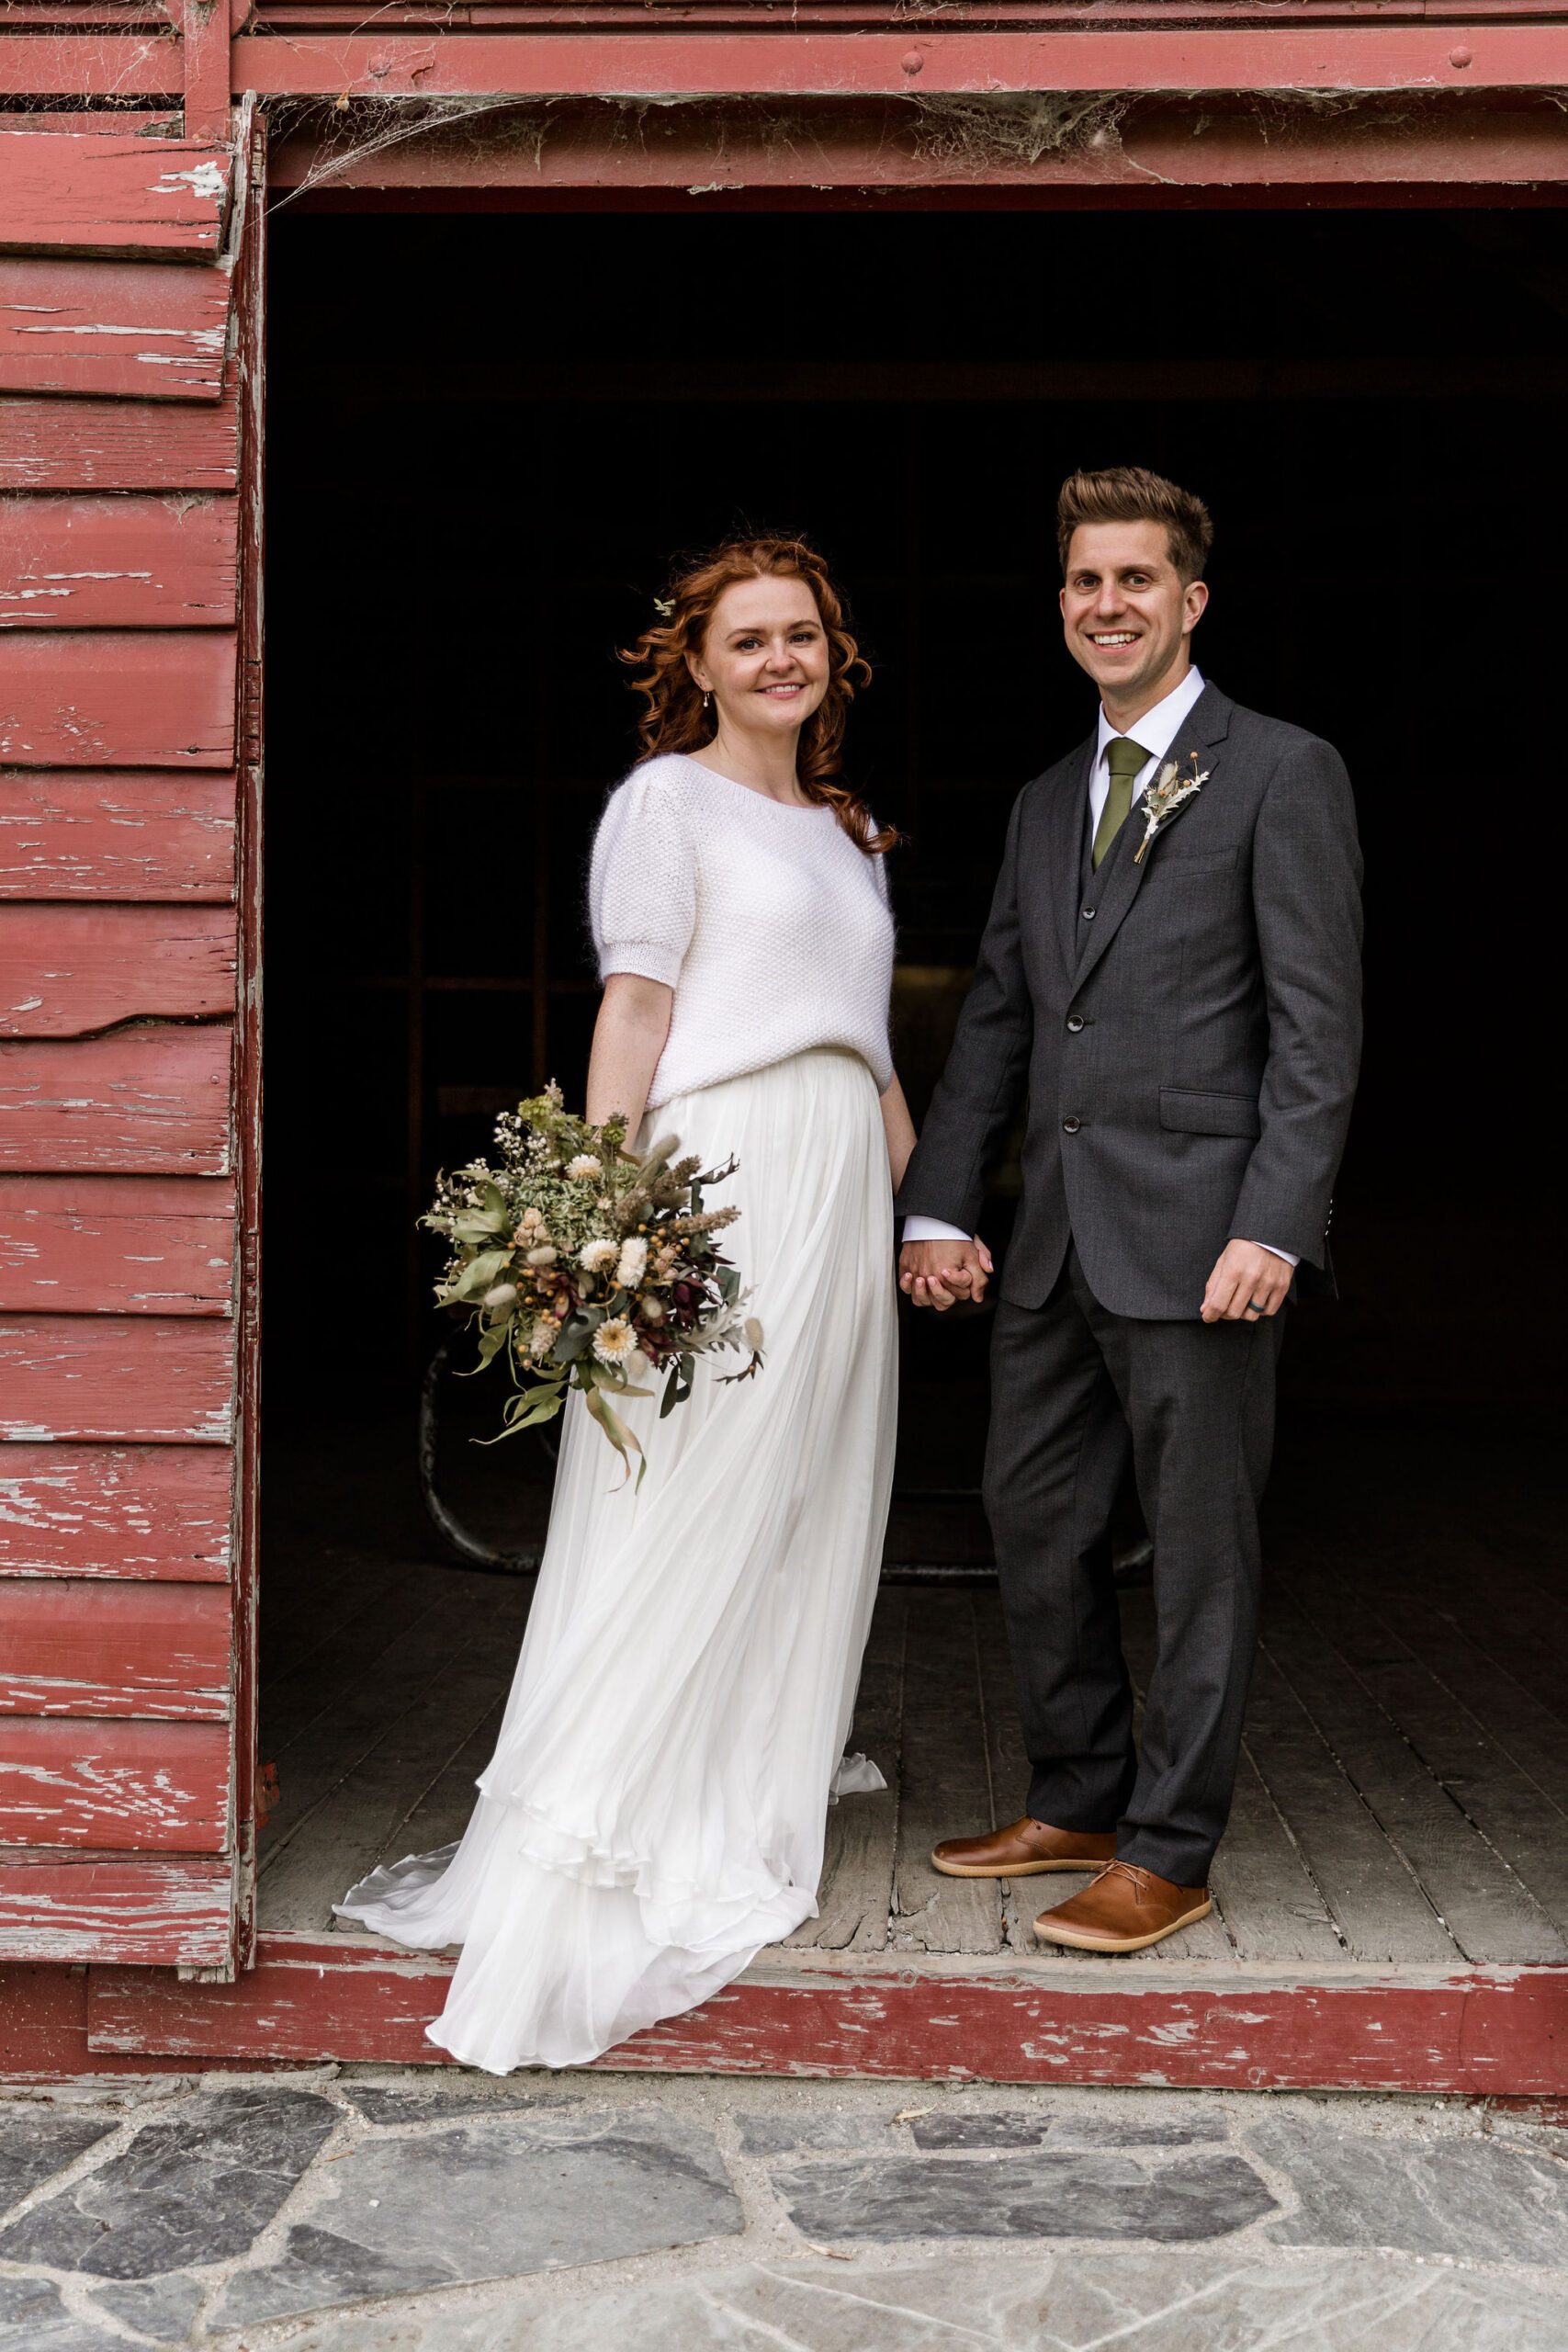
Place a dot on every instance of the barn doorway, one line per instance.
(465, 523)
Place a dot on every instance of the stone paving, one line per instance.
(378, 2209)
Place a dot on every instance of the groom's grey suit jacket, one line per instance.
(1185, 1028)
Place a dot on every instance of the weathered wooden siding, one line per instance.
(97, 833)
(124, 1245)
(136, 330)
(119, 699)
(67, 970)
(141, 1100)
(96, 445)
(120, 610)
(172, 1911)
(129, 197)
(115, 1511)
(123, 561)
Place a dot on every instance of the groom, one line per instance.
(1170, 981)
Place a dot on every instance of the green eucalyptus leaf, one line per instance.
(479, 1273)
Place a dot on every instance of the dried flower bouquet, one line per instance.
(589, 1267)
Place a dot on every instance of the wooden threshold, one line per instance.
(1477, 2033)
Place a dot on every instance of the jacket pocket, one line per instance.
(1192, 1114)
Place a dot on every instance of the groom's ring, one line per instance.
(1259, 1306)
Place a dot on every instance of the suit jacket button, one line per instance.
(1088, 914)
(1075, 1022)
(1071, 1126)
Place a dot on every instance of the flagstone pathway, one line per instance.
(373, 2210)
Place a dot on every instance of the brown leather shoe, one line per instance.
(1124, 1910)
(1023, 1850)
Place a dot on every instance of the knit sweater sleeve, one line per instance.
(642, 886)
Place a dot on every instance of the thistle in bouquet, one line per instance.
(589, 1267)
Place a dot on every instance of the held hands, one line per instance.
(936, 1273)
(1248, 1283)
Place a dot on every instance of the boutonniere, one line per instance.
(1170, 790)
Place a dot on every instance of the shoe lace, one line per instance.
(1132, 1870)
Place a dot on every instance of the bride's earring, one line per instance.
(706, 699)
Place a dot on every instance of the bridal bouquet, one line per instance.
(589, 1267)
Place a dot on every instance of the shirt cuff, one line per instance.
(932, 1228)
(1289, 1256)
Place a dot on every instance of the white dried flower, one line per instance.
(636, 1366)
(544, 1255)
(504, 1295)
(545, 1333)
(614, 1340)
(594, 1256)
(753, 1335)
(532, 1220)
(583, 1168)
(652, 1310)
(633, 1262)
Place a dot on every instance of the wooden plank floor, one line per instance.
(1403, 1788)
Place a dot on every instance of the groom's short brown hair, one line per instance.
(1132, 494)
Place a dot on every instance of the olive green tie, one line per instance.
(1124, 759)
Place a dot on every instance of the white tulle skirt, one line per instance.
(655, 1809)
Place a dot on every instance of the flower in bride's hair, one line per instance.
(502, 1295)
(594, 1256)
(545, 1332)
(583, 1168)
(544, 1255)
(633, 1262)
(614, 1341)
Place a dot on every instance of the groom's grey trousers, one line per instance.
(1077, 1391)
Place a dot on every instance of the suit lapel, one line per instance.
(1063, 850)
(1120, 878)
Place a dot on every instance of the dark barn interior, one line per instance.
(487, 436)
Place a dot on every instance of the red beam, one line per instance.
(919, 60)
(1161, 150)
(1372, 55)
(1473, 2032)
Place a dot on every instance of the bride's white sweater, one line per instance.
(773, 929)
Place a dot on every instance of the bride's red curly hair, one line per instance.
(674, 720)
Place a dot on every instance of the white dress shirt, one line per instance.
(1154, 734)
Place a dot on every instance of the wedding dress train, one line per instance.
(655, 1809)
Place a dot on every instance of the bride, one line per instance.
(654, 1811)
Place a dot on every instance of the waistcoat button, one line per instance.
(1075, 1021)
(1088, 914)
(1071, 1126)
